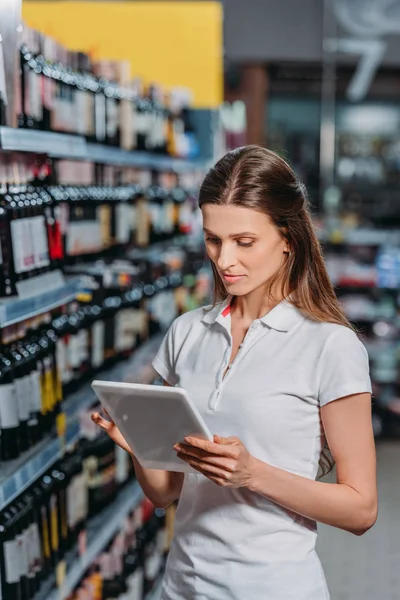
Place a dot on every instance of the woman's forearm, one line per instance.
(161, 487)
(335, 504)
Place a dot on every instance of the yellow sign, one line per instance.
(170, 43)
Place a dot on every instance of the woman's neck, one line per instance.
(253, 306)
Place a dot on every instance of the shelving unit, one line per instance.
(19, 474)
(75, 147)
(100, 531)
(15, 310)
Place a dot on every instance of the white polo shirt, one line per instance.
(232, 544)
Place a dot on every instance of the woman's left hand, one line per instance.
(226, 461)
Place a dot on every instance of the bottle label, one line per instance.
(11, 561)
(23, 560)
(31, 551)
(81, 112)
(9, 417)
(36, 549)
(100, 108)
(74, 354)
(41, 244)
(98, 332)
(122, 464)
(135, 584)
(123, 223)
(35, 96)
(18, 245)
(153, 565)
(83, 345)
(62, 360)
(112, 117)
(36, 396)
(28, 241)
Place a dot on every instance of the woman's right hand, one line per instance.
(112, 430)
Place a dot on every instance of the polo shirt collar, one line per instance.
(283, 317)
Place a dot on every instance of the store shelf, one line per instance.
(59, 145)
(42, 142)
(19, 474)
(116, 156)
(360, 236)
(15, 310)
(100, 531)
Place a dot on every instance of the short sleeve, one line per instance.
(164, 361)
(344, 367)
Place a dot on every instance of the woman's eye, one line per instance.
(212, 240)
(245, 245)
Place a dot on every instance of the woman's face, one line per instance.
(246, 248)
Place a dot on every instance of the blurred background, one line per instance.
(110, 115)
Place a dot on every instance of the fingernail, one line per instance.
(187, 440)
(176, 447)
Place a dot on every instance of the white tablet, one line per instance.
(152, 418)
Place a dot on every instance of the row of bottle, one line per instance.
(49, 356)
(50, 518)
(30, 385)
(42, 227)
(129, 567)
(62, 91)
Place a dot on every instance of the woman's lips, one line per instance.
(232, 278)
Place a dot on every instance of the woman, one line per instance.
(276, 372)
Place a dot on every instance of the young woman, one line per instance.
(278, 374)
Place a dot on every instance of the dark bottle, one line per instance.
(9, 416)
(76, 497)
(109, 307)
(22, 524)
(97, 338)
(47, 375)
(153, 537)
(3, 118)
(38, 375)
(143, 124)
(100, 469)
(34, 424)
(25, 388)
(35, 550)
(60, 487)
(134, 573)
(10, 572)
(113, 96)
(18, 367)
(40, 503)
(20, 241)
(8, 284)
(41, 228)
(50, 516)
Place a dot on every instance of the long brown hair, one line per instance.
(257, 178)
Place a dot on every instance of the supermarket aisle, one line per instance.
(367, 567)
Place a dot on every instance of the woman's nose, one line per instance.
(226, 258)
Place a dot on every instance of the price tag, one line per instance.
(61, 572)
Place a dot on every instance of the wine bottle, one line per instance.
(9, 416)
(17, 365)
(10, 573)
(8, 285)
